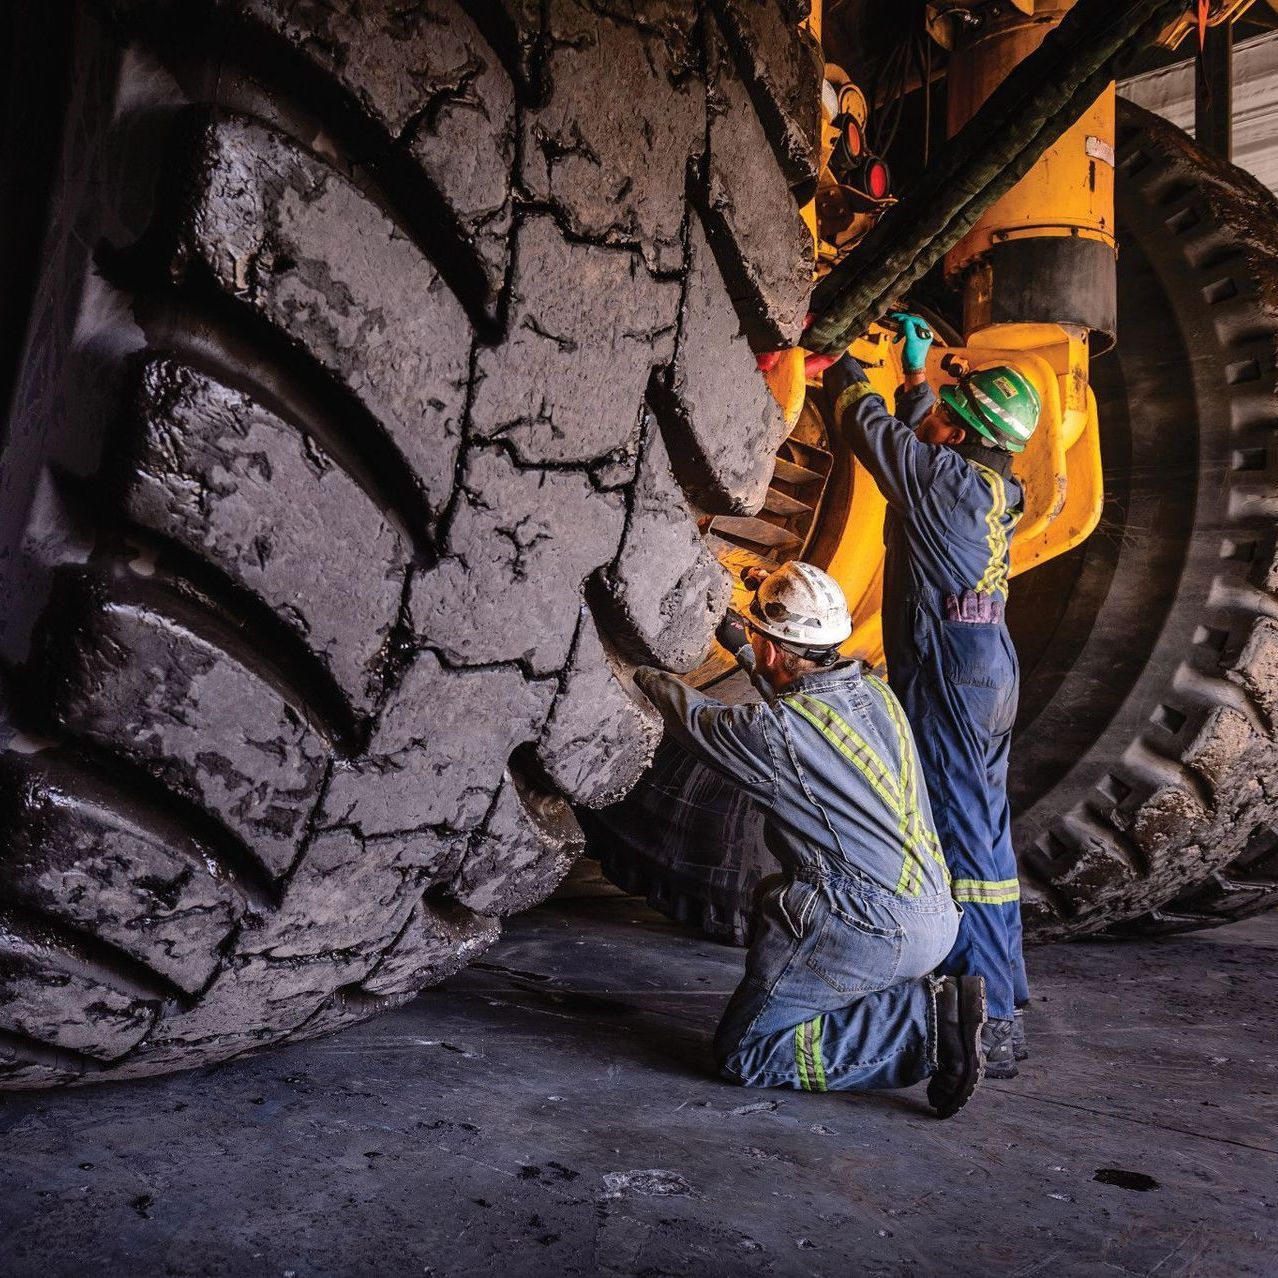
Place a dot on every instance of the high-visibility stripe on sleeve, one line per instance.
(853, 394)
(986, 891)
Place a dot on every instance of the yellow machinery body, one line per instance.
(1069, 194)
(1070, 190)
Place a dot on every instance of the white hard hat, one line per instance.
(801, 606)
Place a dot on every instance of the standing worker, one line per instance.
(837, 993)
(945, 471)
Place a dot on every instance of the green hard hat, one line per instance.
(999, 404)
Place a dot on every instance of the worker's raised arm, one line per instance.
(901, 465)
(732, 740)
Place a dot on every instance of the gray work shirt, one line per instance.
(833, 761)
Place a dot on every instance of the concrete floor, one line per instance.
(552, 1112)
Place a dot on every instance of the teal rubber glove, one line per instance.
(917, 338)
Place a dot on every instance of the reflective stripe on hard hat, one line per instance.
(999, 403)
(1006, 421)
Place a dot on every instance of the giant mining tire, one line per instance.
(379, 359)
(1145, 762)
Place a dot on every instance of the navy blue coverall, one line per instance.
(837, 992)
(950, 658)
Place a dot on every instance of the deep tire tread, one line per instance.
(425, 870)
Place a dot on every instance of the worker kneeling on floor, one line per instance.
(838, 993)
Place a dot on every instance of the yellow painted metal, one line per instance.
(813, 22)
(1055, 358)
(788, 386)
(1060, 470)
(1081, 511)
(1070, 190)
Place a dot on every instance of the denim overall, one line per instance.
(836, 993)
(952, 664)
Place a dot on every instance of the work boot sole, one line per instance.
(948, 1101)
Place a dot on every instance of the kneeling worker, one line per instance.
(837, 993)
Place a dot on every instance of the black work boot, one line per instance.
(1020, 1044)
(960, 1015)
(996, 1042)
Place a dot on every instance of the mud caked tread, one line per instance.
(763, 248)
(519, 544)
(437, 940)
(227, 479)
(444, 100)
(328, 598)
(56, 993)
(668, 590)
(92, 858)
(438, 750)
(601, 733)
(784, 77)
(608, 159)
(285, 234)
(129, 672)
(566, 384)
(525, 849)
(725, 464)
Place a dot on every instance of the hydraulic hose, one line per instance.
(1039, 100)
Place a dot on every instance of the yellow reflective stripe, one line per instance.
(994, 578)
(848, 743)
(853, 394)
(912, 817)
(800, 1059)
(807, 1055)
(911, 820)
(859, 753)
(817, 1025)
(987, 891)
(910, 880)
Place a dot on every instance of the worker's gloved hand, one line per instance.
(917, 337)
(845, 372)
(732, 632)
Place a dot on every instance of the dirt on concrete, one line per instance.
(553, 1111)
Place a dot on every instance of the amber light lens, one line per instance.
(853, 140)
